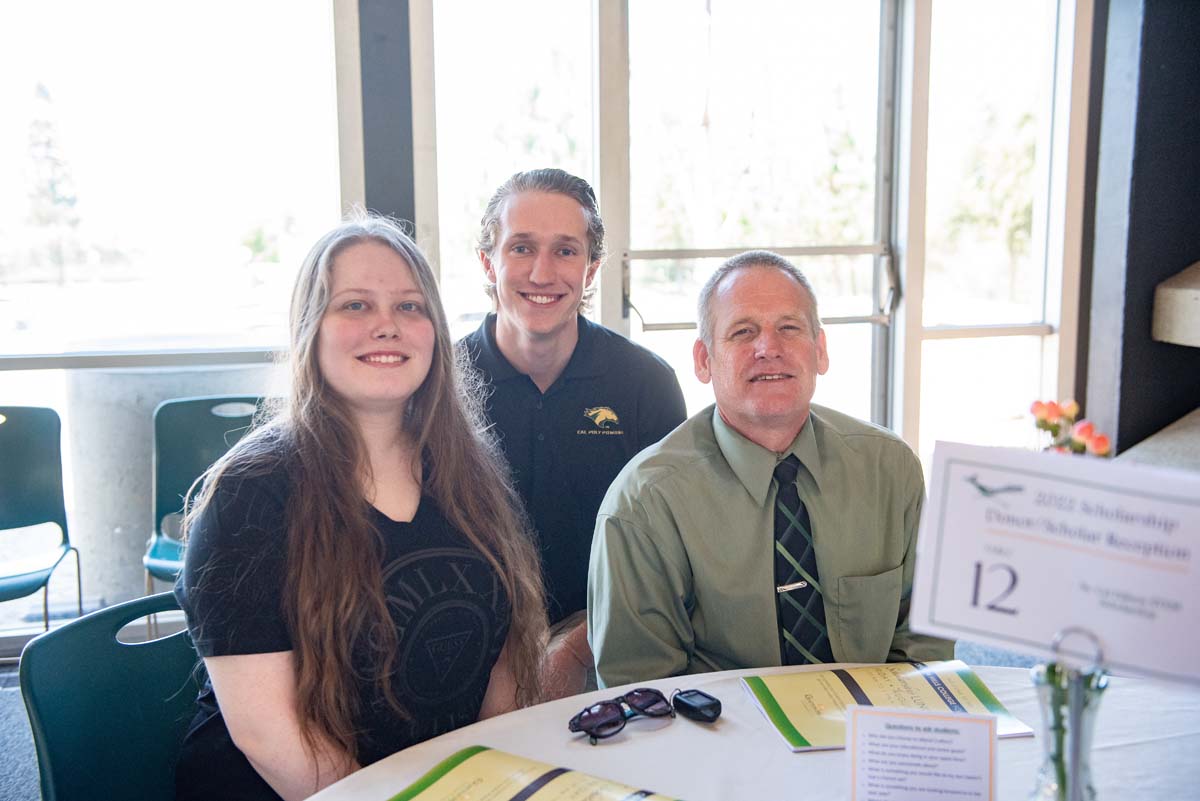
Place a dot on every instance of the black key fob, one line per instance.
(696, 705)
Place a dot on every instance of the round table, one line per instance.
(1147, 746)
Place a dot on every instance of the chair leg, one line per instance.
(151, 620)
(78, 580)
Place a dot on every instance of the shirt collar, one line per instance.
(754, 465)
(585, 362)
(489, 358)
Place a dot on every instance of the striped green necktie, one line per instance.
(803, 637)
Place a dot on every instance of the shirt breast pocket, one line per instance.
(867, 610)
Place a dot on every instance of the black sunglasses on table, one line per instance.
(606, 718)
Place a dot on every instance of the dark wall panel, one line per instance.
(387, 107)
(1147, 223)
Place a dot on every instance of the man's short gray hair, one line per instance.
(744, 261)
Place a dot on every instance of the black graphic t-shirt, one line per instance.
(447, 604)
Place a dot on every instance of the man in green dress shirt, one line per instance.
(682, 574)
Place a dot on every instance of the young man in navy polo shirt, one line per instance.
(571, 401)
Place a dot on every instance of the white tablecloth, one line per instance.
(1147, 746)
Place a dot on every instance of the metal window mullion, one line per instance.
(1073, 74)
(686, 325)
(987, 331)
(885, 295)
(879, 250)
(352, 178)
(914, 25)
(1045, 156)
(424, 131)
(128, 359)
(611, 124)
(874, 249)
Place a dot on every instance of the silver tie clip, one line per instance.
(793, 586)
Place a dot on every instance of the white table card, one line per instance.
(909, 755)
(1016, 546)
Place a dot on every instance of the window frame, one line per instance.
(899, 243)
(1058, 219)
(352, 158)
(615, 301)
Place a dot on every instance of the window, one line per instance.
(165, 170)
(755, 125)
(503, 106)
(990, 314)
(721, 126)
(162, 172)
(986, 171)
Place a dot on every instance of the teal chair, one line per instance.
(109, 717)
(189, 435)
(31, 493)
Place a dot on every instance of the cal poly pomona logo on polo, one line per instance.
(604, 421)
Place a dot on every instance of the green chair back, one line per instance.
(31, 482)
(108, 717)
(190, 434)
(31, 493)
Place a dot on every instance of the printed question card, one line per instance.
(1017, 546)
(906, 755)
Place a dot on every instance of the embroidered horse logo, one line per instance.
(602, 416)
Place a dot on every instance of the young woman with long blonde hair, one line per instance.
(358, 575)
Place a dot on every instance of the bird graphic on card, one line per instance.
(989, 492)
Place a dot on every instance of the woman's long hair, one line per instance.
(333, 597)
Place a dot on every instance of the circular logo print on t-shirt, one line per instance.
(444, 602)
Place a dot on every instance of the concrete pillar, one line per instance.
(111, 443)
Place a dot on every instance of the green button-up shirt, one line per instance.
(682, 576)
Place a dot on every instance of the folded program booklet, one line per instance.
(809, 709)
(484, 773)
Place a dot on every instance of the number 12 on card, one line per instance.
(1007, 580)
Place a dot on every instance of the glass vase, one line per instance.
(1053, 690)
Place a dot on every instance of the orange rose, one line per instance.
(1038, 410)
(1069, 409)
(1099, 445)
(1053, 412)
(1083, 431)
